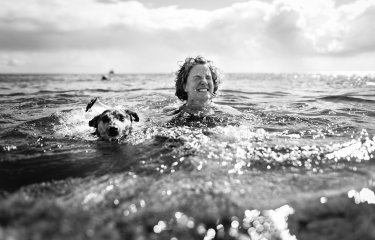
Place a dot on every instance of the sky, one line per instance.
(155, 36)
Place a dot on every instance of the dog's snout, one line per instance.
(113, 131)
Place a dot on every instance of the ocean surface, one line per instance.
(297, 164)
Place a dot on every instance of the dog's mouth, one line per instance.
(113, 139)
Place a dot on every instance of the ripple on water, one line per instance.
(195, 178)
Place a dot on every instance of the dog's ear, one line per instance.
(133, 115)
(94, 122)
(91, 103)
(96, 133)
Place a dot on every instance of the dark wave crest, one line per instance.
(346, 98)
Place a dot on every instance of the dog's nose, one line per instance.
(113, 131)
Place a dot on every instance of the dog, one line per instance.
(112, 124)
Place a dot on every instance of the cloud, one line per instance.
(336, 30)
(252, 30)
(7, 61)
(359, 18)
(305, 25)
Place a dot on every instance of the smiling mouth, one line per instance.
(202, 90)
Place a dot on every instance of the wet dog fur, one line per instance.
(113, 124)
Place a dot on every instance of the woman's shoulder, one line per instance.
(173, 109)
(213, 109)
(226, 109)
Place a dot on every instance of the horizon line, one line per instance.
(372, 72)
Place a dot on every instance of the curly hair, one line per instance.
(183, 73)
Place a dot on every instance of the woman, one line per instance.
(197, 83)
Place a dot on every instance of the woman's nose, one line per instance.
(204, 81)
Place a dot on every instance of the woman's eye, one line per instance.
(122, 118)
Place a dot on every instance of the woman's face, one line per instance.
(199, 84)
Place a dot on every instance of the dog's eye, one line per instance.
(105, 119)
(121, 117)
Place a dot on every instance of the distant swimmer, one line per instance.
(105, 78)
(109, 76)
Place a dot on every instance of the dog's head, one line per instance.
(113, 124)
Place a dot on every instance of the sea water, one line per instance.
(297, 164)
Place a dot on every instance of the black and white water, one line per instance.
(297, 164)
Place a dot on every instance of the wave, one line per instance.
(283, 120)
(13, 94)
(346, 98)
(276, 93)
